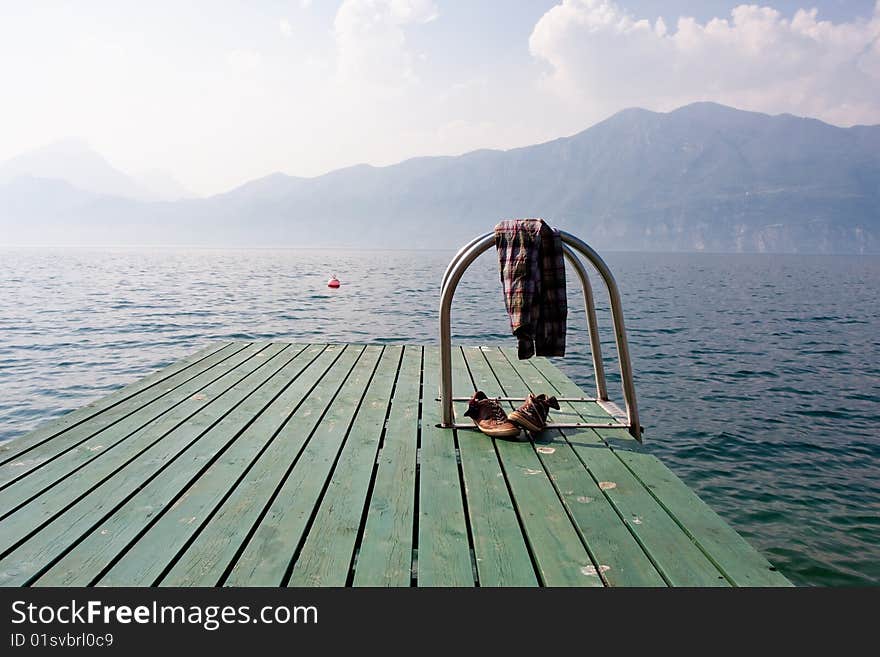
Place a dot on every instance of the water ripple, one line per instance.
(757, 376)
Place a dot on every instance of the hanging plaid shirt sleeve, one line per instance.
(553, 302)
(532, 270)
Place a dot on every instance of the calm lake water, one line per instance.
(758, 377)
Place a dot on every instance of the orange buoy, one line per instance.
(333, 282)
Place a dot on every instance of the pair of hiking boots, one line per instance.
(490, 418)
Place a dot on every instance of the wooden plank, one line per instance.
(617, 555)
(327, 554)
(443, 545)
(15, 448)
(207, 558)
(540, 371)
(44, 449)
(161, 529)
(386, 550)
(135, 569)
(742, 564)
(268, 555)
(58, 459)
(559, 554)
(51, 524)
(675, 555)
(501, 554)
(106, 450)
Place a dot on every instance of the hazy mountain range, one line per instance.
(703, 177)
(75, 163)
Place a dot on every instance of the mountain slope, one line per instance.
(74, 162)
(161, 185)
(703, 177)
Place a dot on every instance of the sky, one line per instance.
(217, 92)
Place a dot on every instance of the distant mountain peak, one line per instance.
(68, 147)
(634, 111)
(65, 145)
(701, 177)
(705, 106)
(74, 161)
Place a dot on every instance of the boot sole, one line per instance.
(524, 422)
(499, 433)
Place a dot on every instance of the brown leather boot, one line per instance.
(532, 415)
(490, 417)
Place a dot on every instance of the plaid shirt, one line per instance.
(532, 267)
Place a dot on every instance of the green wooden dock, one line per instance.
(278, 464)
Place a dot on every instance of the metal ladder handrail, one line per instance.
(571, 244)
(589, 307)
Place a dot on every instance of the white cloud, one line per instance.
(285, 27)
(371, 41)
(602, 57)
(305, 4)
(243, 61)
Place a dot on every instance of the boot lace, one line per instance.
(540, 407)
(496, 412)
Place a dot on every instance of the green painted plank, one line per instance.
(556, 546)
(443, 546)
(618, 556)
(386, 550)
(86, 501)
(137, 568)
(13, 449)
(272, 547)
(102, 452)
(676, 557)
(501, 554)
(674, 553)
(206, 559)
(737, 559)
(326, 556)
(588, 411)
(68, 432)
(57, 459)
(162, 531)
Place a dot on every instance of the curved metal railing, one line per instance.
(572, 246)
